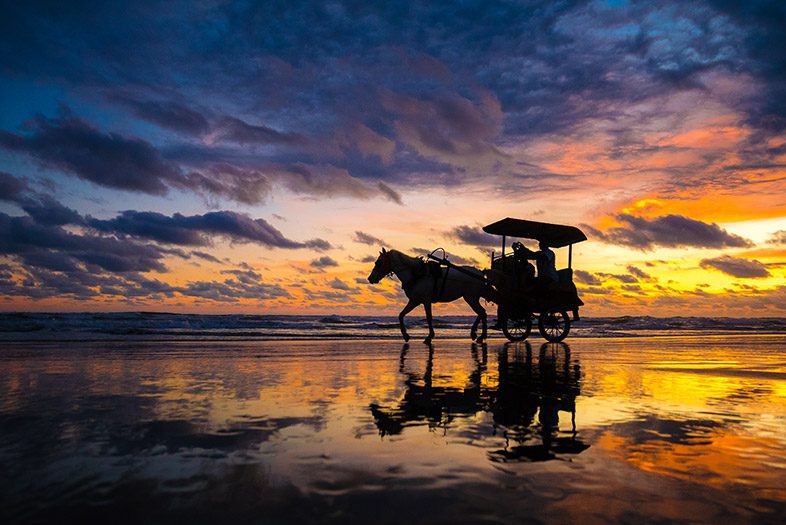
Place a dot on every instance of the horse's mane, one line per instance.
(402, 255)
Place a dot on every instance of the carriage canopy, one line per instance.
(554, 235)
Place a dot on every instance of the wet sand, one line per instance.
(619, 430)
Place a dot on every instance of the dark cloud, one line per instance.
(167, 114)
(70, 144)
(235, 130)
(390, 193)
(33, 243)
(365, 238)
(737, 267)
(244, 185)
(672, 231)
(621, 277)
(761, 32)
(206, 256)
(44, 209)
(475, 236)
(73, 146)
(585, 277)
(323, 262)
(338, 284)
(639, 274)
(10, 187)
(197, 230)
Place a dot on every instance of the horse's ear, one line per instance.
(383, 249)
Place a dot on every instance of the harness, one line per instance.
(432, 270)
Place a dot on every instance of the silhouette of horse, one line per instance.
(425, 284)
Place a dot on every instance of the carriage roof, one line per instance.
(554, 235)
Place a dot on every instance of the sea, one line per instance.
(130, 418)
(170, 326)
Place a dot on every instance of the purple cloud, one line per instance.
(70, 144)
(197, 230)
(365, 238)
(323, 262)
(475, 236)
(737, 267)
(671, 231)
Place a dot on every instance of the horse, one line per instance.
(425, 286)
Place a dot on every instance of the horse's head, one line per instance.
(382, 267)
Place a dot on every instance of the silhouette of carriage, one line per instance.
(519, 298)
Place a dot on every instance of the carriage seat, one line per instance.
(565, 276)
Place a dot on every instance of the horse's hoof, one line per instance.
(406, 338)
(427, 341)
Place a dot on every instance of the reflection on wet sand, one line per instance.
(524, 401)
(637, 430)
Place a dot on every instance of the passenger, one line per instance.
(524, 271)
(547, 267)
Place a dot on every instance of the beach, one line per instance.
(646, 429)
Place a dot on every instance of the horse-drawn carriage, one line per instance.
(520, 298)
(509, 282)
(551, 302)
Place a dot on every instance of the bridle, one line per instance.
(387, 264)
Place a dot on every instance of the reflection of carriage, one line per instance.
(521, 299)
(524, 402)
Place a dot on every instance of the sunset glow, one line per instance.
(218, 158)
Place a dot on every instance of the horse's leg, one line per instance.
(473, 333)
(427, 307)
(474, 303)
(408, 308)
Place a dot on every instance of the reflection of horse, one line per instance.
(433, 404)
(525, 402)
(425, 284)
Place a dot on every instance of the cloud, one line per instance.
(390, 193)
(639, 274)
(736, 267)
(236, 130)
(10, 187)
(671, 231)
(206, 256)
(323, 262)
(338, 284)
(475, 236)
(197, 230)
(52, 246)
(444, 126)
(778, 237)
(585, 277)
(167, 114)
(365, 238)
(70, 144)
(44, 209)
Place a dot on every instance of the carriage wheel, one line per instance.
(517, 329)
(554, 325)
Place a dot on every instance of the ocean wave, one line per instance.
(54, 326)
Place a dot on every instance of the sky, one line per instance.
(254, 157)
